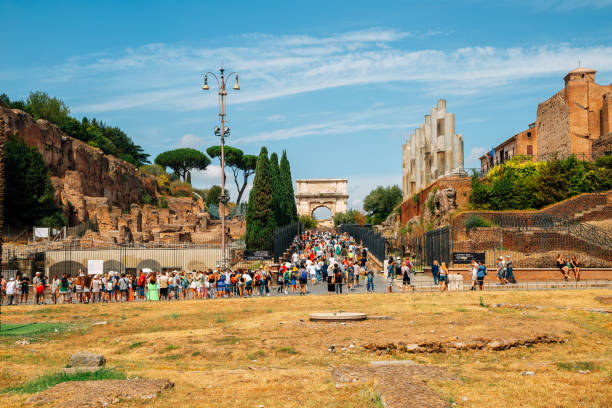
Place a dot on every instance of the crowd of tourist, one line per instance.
(316, 258)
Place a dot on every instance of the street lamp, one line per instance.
(222, 132)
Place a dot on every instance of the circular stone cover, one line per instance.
(337, 317)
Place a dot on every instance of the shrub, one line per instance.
(475, 221)
(308, 222)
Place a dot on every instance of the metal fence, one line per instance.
(70, 257)
(373, 241)
(531, 240)
(283, 237)
(438, 246)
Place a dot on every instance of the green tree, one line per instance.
(183, 160)
(288, 206)
(29, 193)
(41, 106)
(213, 194)
(239, 163)
(308, 222)
(277, 190)
(349, 217)
(381, 201)
(260, 220)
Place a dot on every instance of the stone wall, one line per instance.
(553, 125)
(77, 169)
(602, 146)
(461, 185)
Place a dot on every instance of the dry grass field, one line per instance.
(264, 352)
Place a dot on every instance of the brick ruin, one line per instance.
(92, 186)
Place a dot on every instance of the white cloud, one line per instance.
(278, 66)
(191, 140)
(476, 153)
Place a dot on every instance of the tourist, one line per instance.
(575, 267)
(25, 288)
(39, 286)
(480, 275)
(64, 288)
(11, 290)
(501, 271)
(474, 275)
(443, 277)
(509, 271)
(109, 285)
(369, 279)
(152, 293)
(563, 268)
(55, 284)
(87, 288)
(124, 285)
(3, 283)
(405, 270)
(338, 279)
(350, 277)
(303, 277)
(96, 286)
(435, 270)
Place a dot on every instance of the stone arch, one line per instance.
(315, 193)
(151, 264)
(112, 265)
(68, 267)
(324, 205)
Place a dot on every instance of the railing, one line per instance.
(374, 242)
(283, 238)
(587, 232)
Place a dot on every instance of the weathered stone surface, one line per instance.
(87, 359)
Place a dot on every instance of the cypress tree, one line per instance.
(277, 190)
(260, 218)
(289, 208)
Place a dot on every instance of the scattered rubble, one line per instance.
(478, 344)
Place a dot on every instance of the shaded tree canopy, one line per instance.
(239, 163)
(111, 140)
(288, 205)
(183, 160)
(29, 194)
(213, 194)
(380, 202)
(260, 219)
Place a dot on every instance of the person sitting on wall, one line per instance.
(562, 267)
(575, 267)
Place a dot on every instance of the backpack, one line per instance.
(303, 275)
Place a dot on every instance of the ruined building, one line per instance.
(576, 120)
(572, 120)
(432, 151)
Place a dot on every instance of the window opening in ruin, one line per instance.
(528, 135)
(530, 150)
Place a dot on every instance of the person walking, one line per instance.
(338, 278)
(480, 275)
(509, 271)
(474, 275)
(152, 293)
(370, 280)
(435, 271)
(405, 269)
(11, 290)
(443, 277)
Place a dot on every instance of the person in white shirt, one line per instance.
(96, 284)
(11, 289)
(474, 275)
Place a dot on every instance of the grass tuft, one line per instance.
(49, 380)
(137, 344)
(576, 366)
(170, 347)
(288, 350)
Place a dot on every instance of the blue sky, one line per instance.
(338, 84)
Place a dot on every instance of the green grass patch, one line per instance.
(576, 366)
(256, 355)
(49, 380)
(288, 350)
(173, 357)
(268, 310)
(173, 316)
(227, 340)
(461, 309)
(31, 329)
(137, 344)
(170, 347)
(220, 320)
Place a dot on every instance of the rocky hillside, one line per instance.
(79, 172)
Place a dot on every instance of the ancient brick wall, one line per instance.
(553, 126)
(462, 185)
(77, 169)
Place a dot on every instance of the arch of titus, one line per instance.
(314, 193)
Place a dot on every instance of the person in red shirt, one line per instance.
(142, 279)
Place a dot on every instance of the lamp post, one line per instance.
(222, 132)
